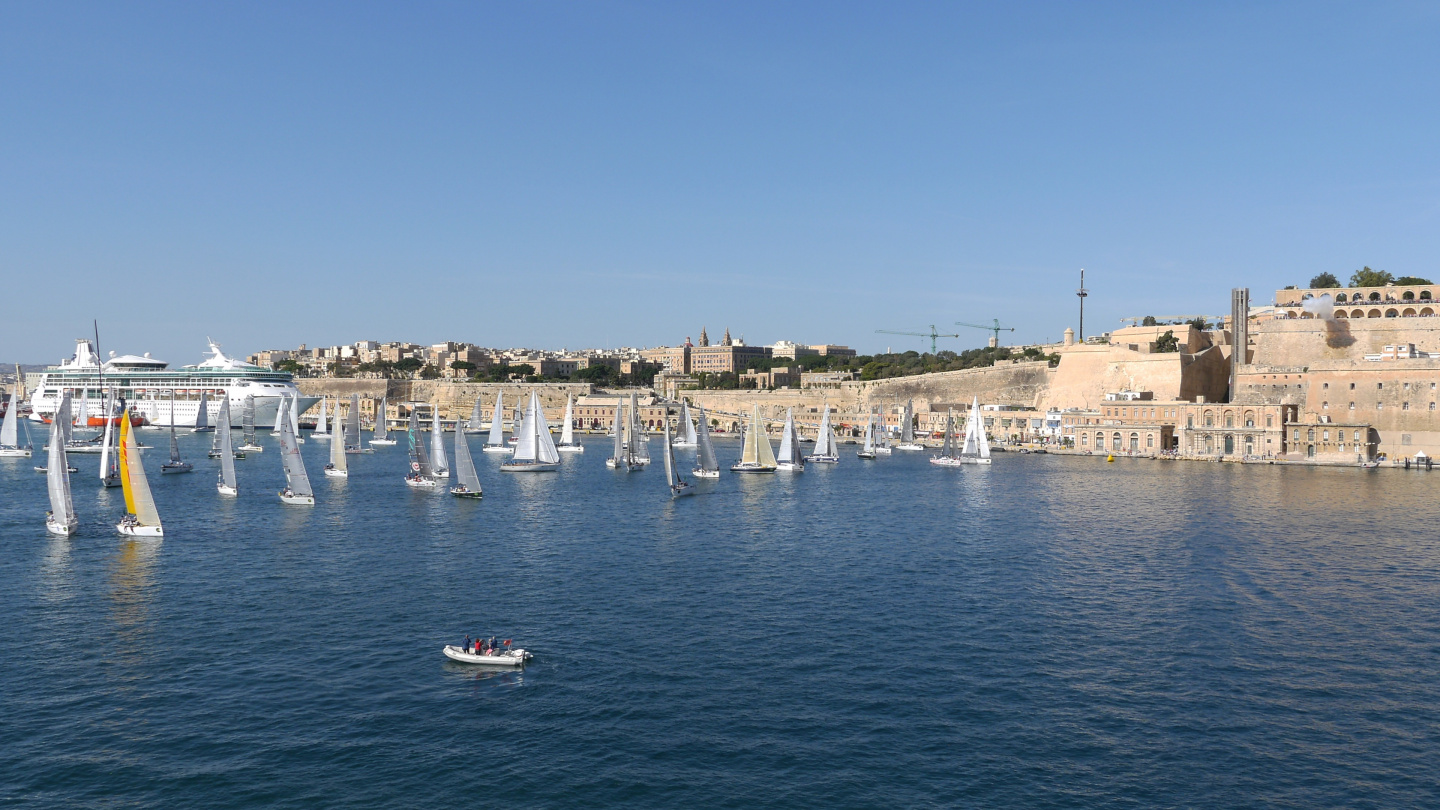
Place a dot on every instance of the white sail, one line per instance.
(138, 500)
(907, 431)
(107, 460)
(686, 433)
(294, 412)
(437, 444)
(465, 474)
(382, 430)
(337, 444)
(82, 411)
(202, 413)
(247, 421)
(419, 459)
(545, 450)
(567, 431)
(639, 445)
(352, 424)
(497, 428)
(948, 448)
(476, 417)
(227, 452)
(320, 429)
(971, 446)
(870, 434)
(705, 456)
(788, 447)
(825, 438)
(669, 457)
(757, 444)
(618, 454)
(980, 436)
(57, 471)
(295, 475)
(10, 428)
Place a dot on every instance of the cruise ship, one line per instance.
(146, 385)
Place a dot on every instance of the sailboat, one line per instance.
(826, 451)
(467, 481)
(567, 433)
(473, 424)
(202, 414)
(337, 468)
(297, 489)
(421, 475)
(61, 518)
(320, 431)
(907, 430)
(791, 457)
(868, 449)
(226, 485)
(82, 410)
(294, 411)
(948, 457)
(976, 449)
(882, 438)
(141, 519)
(175, 464)
(757, 457)
(110, 452)
(10, 428)
(620, 458)
(352, 427)
(380, 434)
(639, 445)
(437, 444)
(496, 442)
(535, 452)
(247, 426)
(678, 486)
(706, 465)
(685, 433)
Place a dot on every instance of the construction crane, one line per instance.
(932, 334)
(997, 329)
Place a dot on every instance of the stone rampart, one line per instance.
(1306, 341)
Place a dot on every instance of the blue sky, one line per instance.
(602, 173)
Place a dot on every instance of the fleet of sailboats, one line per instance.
(535, 452)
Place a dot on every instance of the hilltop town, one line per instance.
(1321, 375)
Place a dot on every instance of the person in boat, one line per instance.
(466, 648)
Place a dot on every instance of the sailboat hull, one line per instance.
(249, 448)
(176, 469)
(823, 459)
(337, 473)
(681, 490)
(786, 466)
(909, 447)
(497, 449)
(15, 452)
(381, 442)
(140, 531)
(462, 492)
(865, 454)
(570, 448)
(751, 468)
(529, 466)
(698, 473)
(224, 490)
(421, 482)
(297, 500)
(946, 461)
(62, 529)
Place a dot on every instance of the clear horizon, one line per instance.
(623, 173)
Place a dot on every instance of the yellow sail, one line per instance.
(138, 500)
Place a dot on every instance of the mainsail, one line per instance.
(977, 445)
(619, 451)
(639, 446)
(10, 428)
(352, 424)
(947, 449)
(381, 430)
(687, 428)
(82, 411)
(473, 425)
(790, 441)
(465, 474)
(757, 444)
(870, 434)
(907, 431)
(320, 429)
(138, 500)
(247, 420)
(669, 458)
(437, 444)
(57, 470)
(337, 444)
(705, 456)
(567, 431)
(202, 413)
(825, 439)
(419, 459)
(294, 412)
(535, 444)
(109, 461)
(295, 476)
(497, 428)
(227, 452)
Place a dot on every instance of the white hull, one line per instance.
(683, 445)
(381, 442)
(422, 483)
(224, 490)
(973, 460)
(864, 455)
(823, 459)
(358, 451)
(11, 452)
(140, 531)
(620, 465)
(490, 448)
(337, 473)
(249, 448)
(529, 466)
(297, 500)
(681, 490)
(507, 658)
(62, 529)
(705, 473)
(909, 447)
(882, 451)
(945, 461)
(570, 448)
(786, 466)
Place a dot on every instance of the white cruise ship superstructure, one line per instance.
(146, 385)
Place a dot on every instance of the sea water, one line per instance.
(1045, 632)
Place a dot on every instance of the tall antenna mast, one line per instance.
(1082, 293)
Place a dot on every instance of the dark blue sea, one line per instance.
(1048, 632)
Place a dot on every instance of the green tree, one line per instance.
(1411, 281)
(1365, 277)
(409, 365)
(429, 372)
(1149, 321)
(1167, 342)
(597, 374)
(523, 370)
(289, 365)
(1199, 323)
(463, 366)
(1324, 281)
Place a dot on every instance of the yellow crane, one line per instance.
(932, 334)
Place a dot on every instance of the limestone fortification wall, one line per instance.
(1306, 341)
(454, 398)
(1087, 372)
(1005, 384)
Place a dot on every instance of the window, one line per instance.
(1325, 385)
(1324, 406)
(1310, 435)
(1404, 406)
(1229, 420)
(1325, 435)
(1352, 386)
(1084, 439)
(1379, 406)
(1432, 406)
(1352, 406)
(1269, 421)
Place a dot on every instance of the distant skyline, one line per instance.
(610, 173)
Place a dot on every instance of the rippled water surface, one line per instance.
(1049, 632)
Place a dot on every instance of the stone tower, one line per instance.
(704, 338)
(726, 340)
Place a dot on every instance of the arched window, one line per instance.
(1409, 312)
(1340, 313)
(1359, 313)
(1374, 313)
(1149, 440)
(1426, 312)
(1407, 296)
(1115, 441)
(1310, 435)
(1424, 295)
(1249, 419)
(1084, 439)
(1375, 296)
(1392, 313)
(1229, 419)
(1134, 442)
(1340, 299)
